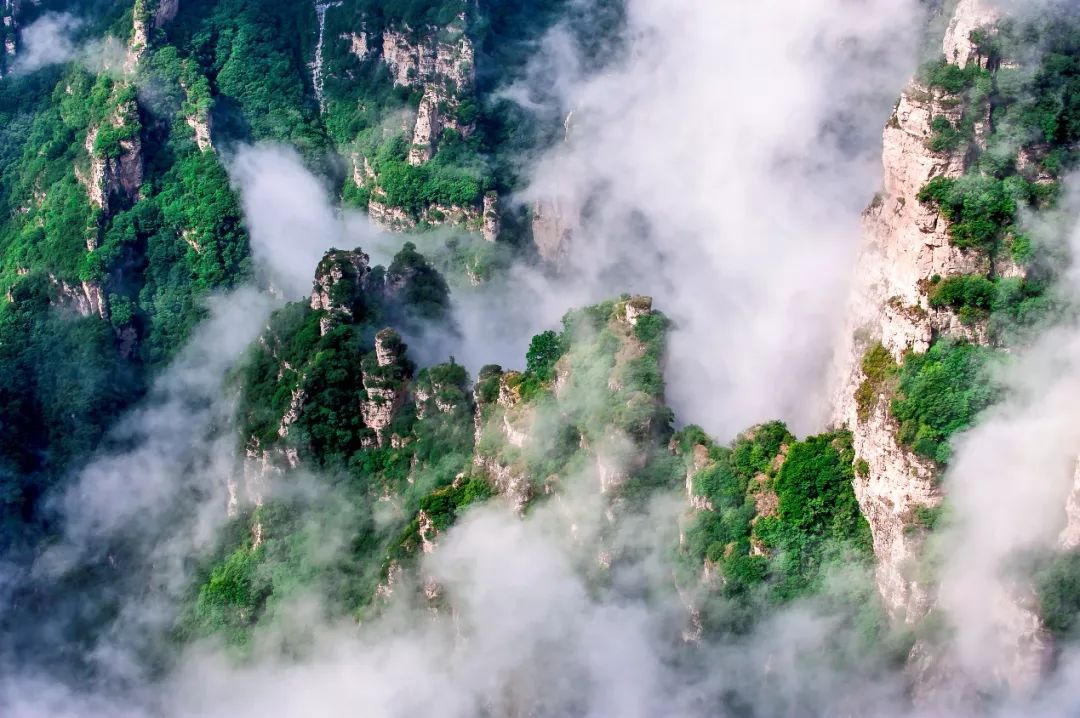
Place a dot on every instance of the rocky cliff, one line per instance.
(913, 245)
(905, 244)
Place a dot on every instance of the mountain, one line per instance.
(221, 494)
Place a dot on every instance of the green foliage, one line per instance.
(814, 489)
(257, 71)
(979, 208)
(945, 137)
(940, 393)
(951, 78)
(445, 506)
(969, 295)
(878, 371)
(1058, 588)
(453, 178)
(819, 519)
(545, 349)
(816, 519)
(417, 286)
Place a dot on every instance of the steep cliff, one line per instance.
(906, 244)
(943, 266)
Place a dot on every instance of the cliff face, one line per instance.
(905, 245)
(115, 172)
(441, 62)
(908, 248)
(338, 290)
(438, 64)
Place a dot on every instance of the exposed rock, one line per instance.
(318, 79)
(551, 231)
(261, 467)
(385, 383)
(1005, 267)
(380, 407)
(491, 226)
(140, 38)
(85, 299)
(509, 396)
(191, 239)
(970, 15)
(517, 432)
(428, 128)
(296, 405)
(388, 347)
(363, 172)
(393, 576)
(430, 59)
(1070, 536)
(905, 244)
(387, 218)
(1021, 651)
(510, 482)
(358, 44)
(201, 127)
(897, 483)
(439, 215)
(427, 532)
(338, 290)
(114, 177)
(636, 308)
(94, 179)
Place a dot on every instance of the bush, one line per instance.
(945, 137)
(940, 393)
(878, 369)
(545, 350)
(971, 296)
(953, 79)
(979, 208)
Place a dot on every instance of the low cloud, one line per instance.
(47, 41)
(53, 39)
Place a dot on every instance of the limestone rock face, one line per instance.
(551, 229)
(490, 229)
(427, 129)
(414, 63)
(441, 61)
(970, 15)
(387, 218)
(385, 383)
(296, 405)
(140, 38)
(118, 176)
(85, 299)
(382, 404)
(358, 43)
(1070, 536)
(905, 244)
(388, 347)
(201, 127)
(340, 280)
(636, 308)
